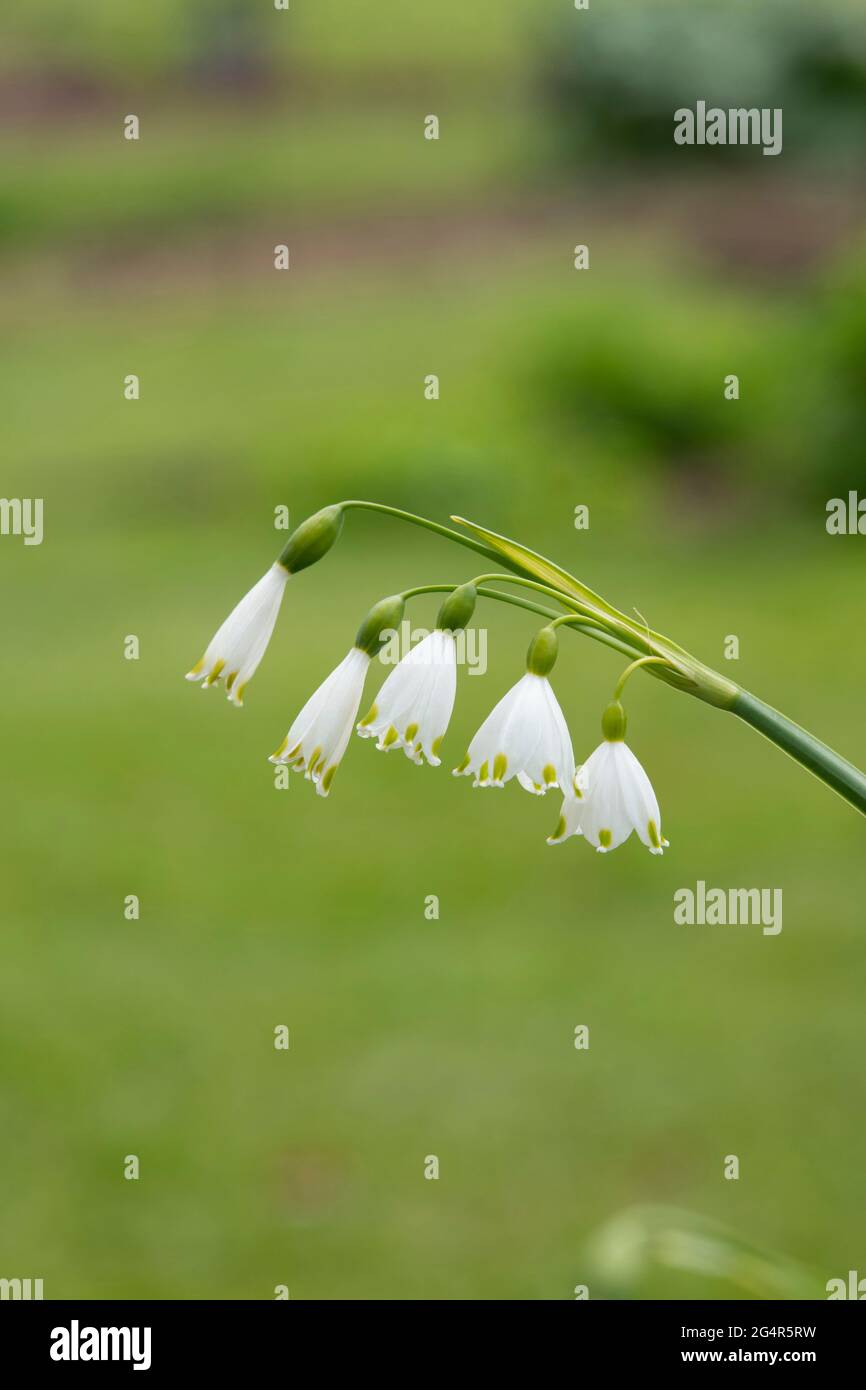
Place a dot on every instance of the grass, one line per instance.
(409, 1037)
(260, 907)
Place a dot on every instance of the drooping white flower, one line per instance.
(317, 739)
(414, 706)
(524, 736)
(319, 736)
(238, 646)
(617, 796)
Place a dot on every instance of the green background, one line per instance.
(262, 907)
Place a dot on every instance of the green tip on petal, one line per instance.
(328, 777)
(558, 832)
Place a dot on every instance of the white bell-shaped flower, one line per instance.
(615, 795)
(414, 706)
(525, 735)
(238, 646)
(318, 737)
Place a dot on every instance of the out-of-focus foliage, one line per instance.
(644, 366)
(231, 40)
(615, 85)
(262, 906)
(663, 1252)
(837, 352)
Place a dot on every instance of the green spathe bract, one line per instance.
(679, 667)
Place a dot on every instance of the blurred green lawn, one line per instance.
(261, 907)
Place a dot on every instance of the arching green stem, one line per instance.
(807, 750)
(572, 604)
(428, 589)
(578, 619)
(478, 546)
(635, 665)
(597, 618)
(581, 624)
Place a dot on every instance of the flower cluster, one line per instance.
(524, 737)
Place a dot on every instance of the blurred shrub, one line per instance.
(838, 343)
(613, 86)
(645, 364)
(642, 367)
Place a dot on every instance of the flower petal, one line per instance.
(318, 737)
(239, 644)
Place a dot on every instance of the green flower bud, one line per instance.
(543, 651)
(457, 609)
(384, 616)
(613, 723)
(312, 539)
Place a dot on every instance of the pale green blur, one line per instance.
(558, 388)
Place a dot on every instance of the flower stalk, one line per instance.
(239, 645)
